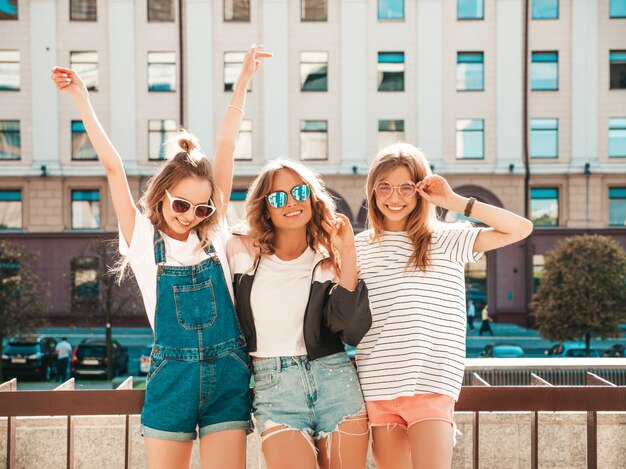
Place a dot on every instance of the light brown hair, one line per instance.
(422, 219)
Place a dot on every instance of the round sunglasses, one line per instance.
(179, 205)
(278, 199)
(406, 189)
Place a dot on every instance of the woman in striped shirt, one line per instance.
(411, 361)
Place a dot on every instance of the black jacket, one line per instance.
(333, 314)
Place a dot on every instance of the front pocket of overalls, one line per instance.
(195, 305)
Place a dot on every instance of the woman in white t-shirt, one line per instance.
(199, 377)
(411, 361)
(298, 300)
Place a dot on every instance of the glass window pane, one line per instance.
(314, 140)
(10, 140)
(81, 145)
(545, 9)
(314, 71)
(85, 277)
(161, 77)
(470, 71)
(236, 10)
(391, 71)
(470, 138)
(544, 141)
(9, 70)
(159, 132)
(617, 60)
(470, 9)
(85, 209)
(617, 9)
(617, 137)
(233, 62)
(544, 206)
(617, 206)
(86, 64)
(313, 10)
(243, 148)
(160, 10)
(8, 9)
(544, 71)
(83, 10)
(390, 9)
(10, 209)
(390, 132)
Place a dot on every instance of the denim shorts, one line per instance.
(310, 396)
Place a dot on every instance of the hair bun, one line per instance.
(187, 144)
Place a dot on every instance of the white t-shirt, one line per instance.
(63, 349)
(140, 255)
(279, 296)
(416, 344)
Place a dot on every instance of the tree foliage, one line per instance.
(583, 289)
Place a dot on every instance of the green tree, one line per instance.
(23, 305)
(583, 290)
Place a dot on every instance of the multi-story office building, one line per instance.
(518, 103)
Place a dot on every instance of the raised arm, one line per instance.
(505, 227)
(226, 136)
(68, 81)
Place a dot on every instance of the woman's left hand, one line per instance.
(436, 190)
(340, 230)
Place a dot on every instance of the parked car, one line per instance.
(570, 349)
(144, 360)
(30, 356)
(616, 350)
(502, 351)
(90, 359)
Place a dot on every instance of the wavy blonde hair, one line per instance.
(422, 219)
(259, 224)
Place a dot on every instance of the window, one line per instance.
(545, 9)
(470, 71)
(470, 138)
(81, 145)
(617, 9)
(232, 66)
(390, 9)
(313, 10)
(8, 10)
(617, 137)
(544, 206)
(544, 138)
(390, 132)
(10, 141)
(10, 209)
(9, 70)
(236, 212)
(470, 9)
(159, 132)
(314, 140)
(617, 206)
(236, 10)
(85, 209)
(161, 71)
(160, 10)
(544, 71)
(538, 263)
(243, 149)
(314, 71)
(85, 285)
(618, 69)
(86, 64)
(391, 71)
(83, 10)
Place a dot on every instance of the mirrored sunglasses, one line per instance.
(179, 205)
(278, 199)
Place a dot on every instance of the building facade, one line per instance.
(519, 103)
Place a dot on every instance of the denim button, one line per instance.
(307, 366)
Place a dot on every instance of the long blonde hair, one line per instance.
(260, 227)
(422, 219)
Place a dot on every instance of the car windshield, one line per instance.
(92, 351)
(21, 349)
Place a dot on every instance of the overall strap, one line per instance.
(159, 248)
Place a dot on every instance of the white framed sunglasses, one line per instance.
(179, 205)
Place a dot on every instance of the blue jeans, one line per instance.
(311, 396)
(63, 368)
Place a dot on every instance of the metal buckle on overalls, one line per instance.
(214, 257)
(160, 268)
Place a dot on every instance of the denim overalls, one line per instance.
(199, 375)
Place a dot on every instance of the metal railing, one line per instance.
(599, 395)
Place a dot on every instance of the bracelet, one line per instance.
(239, 109)
(468, 207)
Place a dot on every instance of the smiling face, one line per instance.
(294, 215)
(194, 190)
(396, 209)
